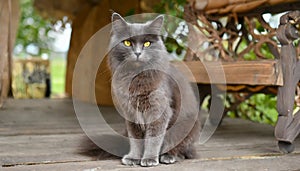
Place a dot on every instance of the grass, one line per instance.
(58, 74)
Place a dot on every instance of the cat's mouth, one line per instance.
(138, 63)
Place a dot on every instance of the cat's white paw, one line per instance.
(149, 162)
(167, 159)
(127, 160)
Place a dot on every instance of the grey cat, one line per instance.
(157, 101)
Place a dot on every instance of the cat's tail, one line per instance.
(114, 147)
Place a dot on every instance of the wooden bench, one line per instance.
(282, 72)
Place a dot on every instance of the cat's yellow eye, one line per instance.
(147, 44)
(127, 43)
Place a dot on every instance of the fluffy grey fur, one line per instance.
(158, 103)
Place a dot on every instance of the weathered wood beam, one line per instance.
(275, 9)
(240, 72)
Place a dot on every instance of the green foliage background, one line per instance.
(258, 108)
(33, 29)
(174, 8)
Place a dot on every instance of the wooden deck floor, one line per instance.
(45, 135)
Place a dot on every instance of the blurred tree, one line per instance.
(258, 108)
(175, 43)
(171, 7)
(32, 37)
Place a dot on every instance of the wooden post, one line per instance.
(87, 22)
(4, 21)
(9, 17)
(288, 125)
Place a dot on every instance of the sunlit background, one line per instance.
(42, 44)
(40, 39)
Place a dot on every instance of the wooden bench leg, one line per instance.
(216, 106)
(288, 124)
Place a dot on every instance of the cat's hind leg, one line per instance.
(189, 152)
(167, 158)
(179, 153)
(185, 149)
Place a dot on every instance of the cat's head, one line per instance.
(138, 43)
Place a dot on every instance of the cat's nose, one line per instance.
(137, 54)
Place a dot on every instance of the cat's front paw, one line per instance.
(167, 159)
(127, 160)
(149, 162)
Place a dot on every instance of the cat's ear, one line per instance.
(118, 21)
(158, 22)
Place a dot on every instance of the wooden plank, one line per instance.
(45, 117)
(37, 117)
(217, 164)
(61, 145)
(20, 150)
(238, 72)
(24, 149)
(33, 60)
